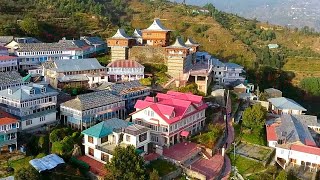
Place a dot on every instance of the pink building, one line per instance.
(171, 117)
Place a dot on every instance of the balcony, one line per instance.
(7, 142)
(109, 147)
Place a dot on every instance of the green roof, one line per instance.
(106, 127)
(26, 78)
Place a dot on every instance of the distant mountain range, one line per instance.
(292, 13)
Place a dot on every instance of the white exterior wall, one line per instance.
(9, 63)
(272, 143)
(298, 156)
(49, 118)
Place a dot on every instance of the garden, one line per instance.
(162, 167)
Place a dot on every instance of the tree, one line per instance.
(254, 117)
(30, 26)
(146, 81)
(282, 175)
(26, 173)
(154, 175)
(126, 164)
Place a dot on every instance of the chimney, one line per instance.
(155, 99)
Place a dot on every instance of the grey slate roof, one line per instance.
(22, 93)
(191, 42)
(125, 87)
(5, 39)
(93, 40)
(31, 47)
(294, 128)
(26, 40)
(92, 100)
(10, 77)
(233, 65)
(286, 103)
(68, 65)
(72, 78)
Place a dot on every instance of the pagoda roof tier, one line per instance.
(157, 26)
(178, 44)
(137, 33)
(121, 34)
(190, 42)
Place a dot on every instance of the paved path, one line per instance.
(230, 140)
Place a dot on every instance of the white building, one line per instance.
(171, 117)
(88, 109)
(294, 137)
(33, 104)
(100, 140)
(225, 73)
(284, 105)
(8, 63)
(125, 70)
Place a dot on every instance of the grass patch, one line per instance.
(210, 137)
(258, 136)
(244, 165)
(163, 167)
(21, 163)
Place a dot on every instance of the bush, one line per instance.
(146, 81)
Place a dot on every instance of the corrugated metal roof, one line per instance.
(286, 103)
(68, 65)
(106, 127)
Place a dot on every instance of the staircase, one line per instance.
(168, 83)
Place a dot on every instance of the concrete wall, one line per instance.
(194, 174)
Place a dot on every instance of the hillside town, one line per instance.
(197, 124)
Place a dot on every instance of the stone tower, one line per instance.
(179, 59)
(120, 44)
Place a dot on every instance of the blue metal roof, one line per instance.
(106, 127)
(286, 103)
(233, 65)
(46, 163)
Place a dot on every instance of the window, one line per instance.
(43, 90)
(104, 157)
(143, 137)
(90, 139)
(43, 118)
(104, 139)
(91, 151)
(32, 91)
(28, 122)
(128, 138)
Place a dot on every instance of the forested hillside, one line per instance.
(227, 36)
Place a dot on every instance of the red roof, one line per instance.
(6, 58)
(125, 64)
(167, 104)
(6, 118)
(181, 151)
(271, 133)
(96, 167)
(306, 149)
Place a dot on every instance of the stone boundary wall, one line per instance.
(148, 54)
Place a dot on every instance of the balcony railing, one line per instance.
(104, 149)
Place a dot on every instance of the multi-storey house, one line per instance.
(295, 139)
(33, 104)
(171, 117)
(101, 140)
(226, 73)
(11, 79)
(131, 92)
(8, 63)
(33, 54)
(124, 70)
(99, 45)
(88, 109)
(8, 130)
(74, 73)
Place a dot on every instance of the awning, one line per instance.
(184, 133)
